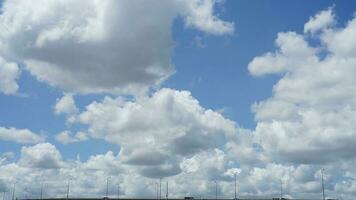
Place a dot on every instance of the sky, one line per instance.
(189, 91)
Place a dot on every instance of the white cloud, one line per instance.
(309, 121)
(310, 117)
(320, 21)
(65, 105)
(196, 179)
(6, 157)
(22, 136)
(288, 57)
(100, 46)
(65, 137)
(43, 155)
(171, 125)
(9, 73)
(341, 42)
(98, 168)
(200, 14)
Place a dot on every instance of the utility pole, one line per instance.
(3, 197)
(167, 190)
(41, 194)
(281, 188)
(157, 190)
(107, 187)
(26, 192)
(68, 185)
(216, 190)
(160, 188)
(118, 192)
(235, 187)
(322, 182)
(13, 192)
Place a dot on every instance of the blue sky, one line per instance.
(212, 66)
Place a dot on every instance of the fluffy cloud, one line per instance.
(311, 116)
(172, 125)
(9, 73)
(65, 105)
(23, 136)
(185, 143)
(286, 58)
(341, 42)
(43, 155)
(320, 21)
(100, 46)
(98, 168)
(88, 178)
(65, 137)
(307, 122)
(199, 14)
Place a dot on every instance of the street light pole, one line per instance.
(26, 192)
(13, 192)
(216, 190)
(281, 189)
(68, 185)
(160, 188)
(167, 190)
(322, 182)
(107, 187)
(41, 191)
(157, 190)
(235, 187)
(118, 192)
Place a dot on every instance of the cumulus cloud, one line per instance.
(196, 177)
(320, 21)
(200, 14)
(22, 136)
(288, 57)
(341, 42)
(9, 73)
(311, 116)
(66, 137)
(308, 121)
(99, 167)
(43, 156)
(65, 105)
(100, 46)
(170, 123)
(35, 159)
